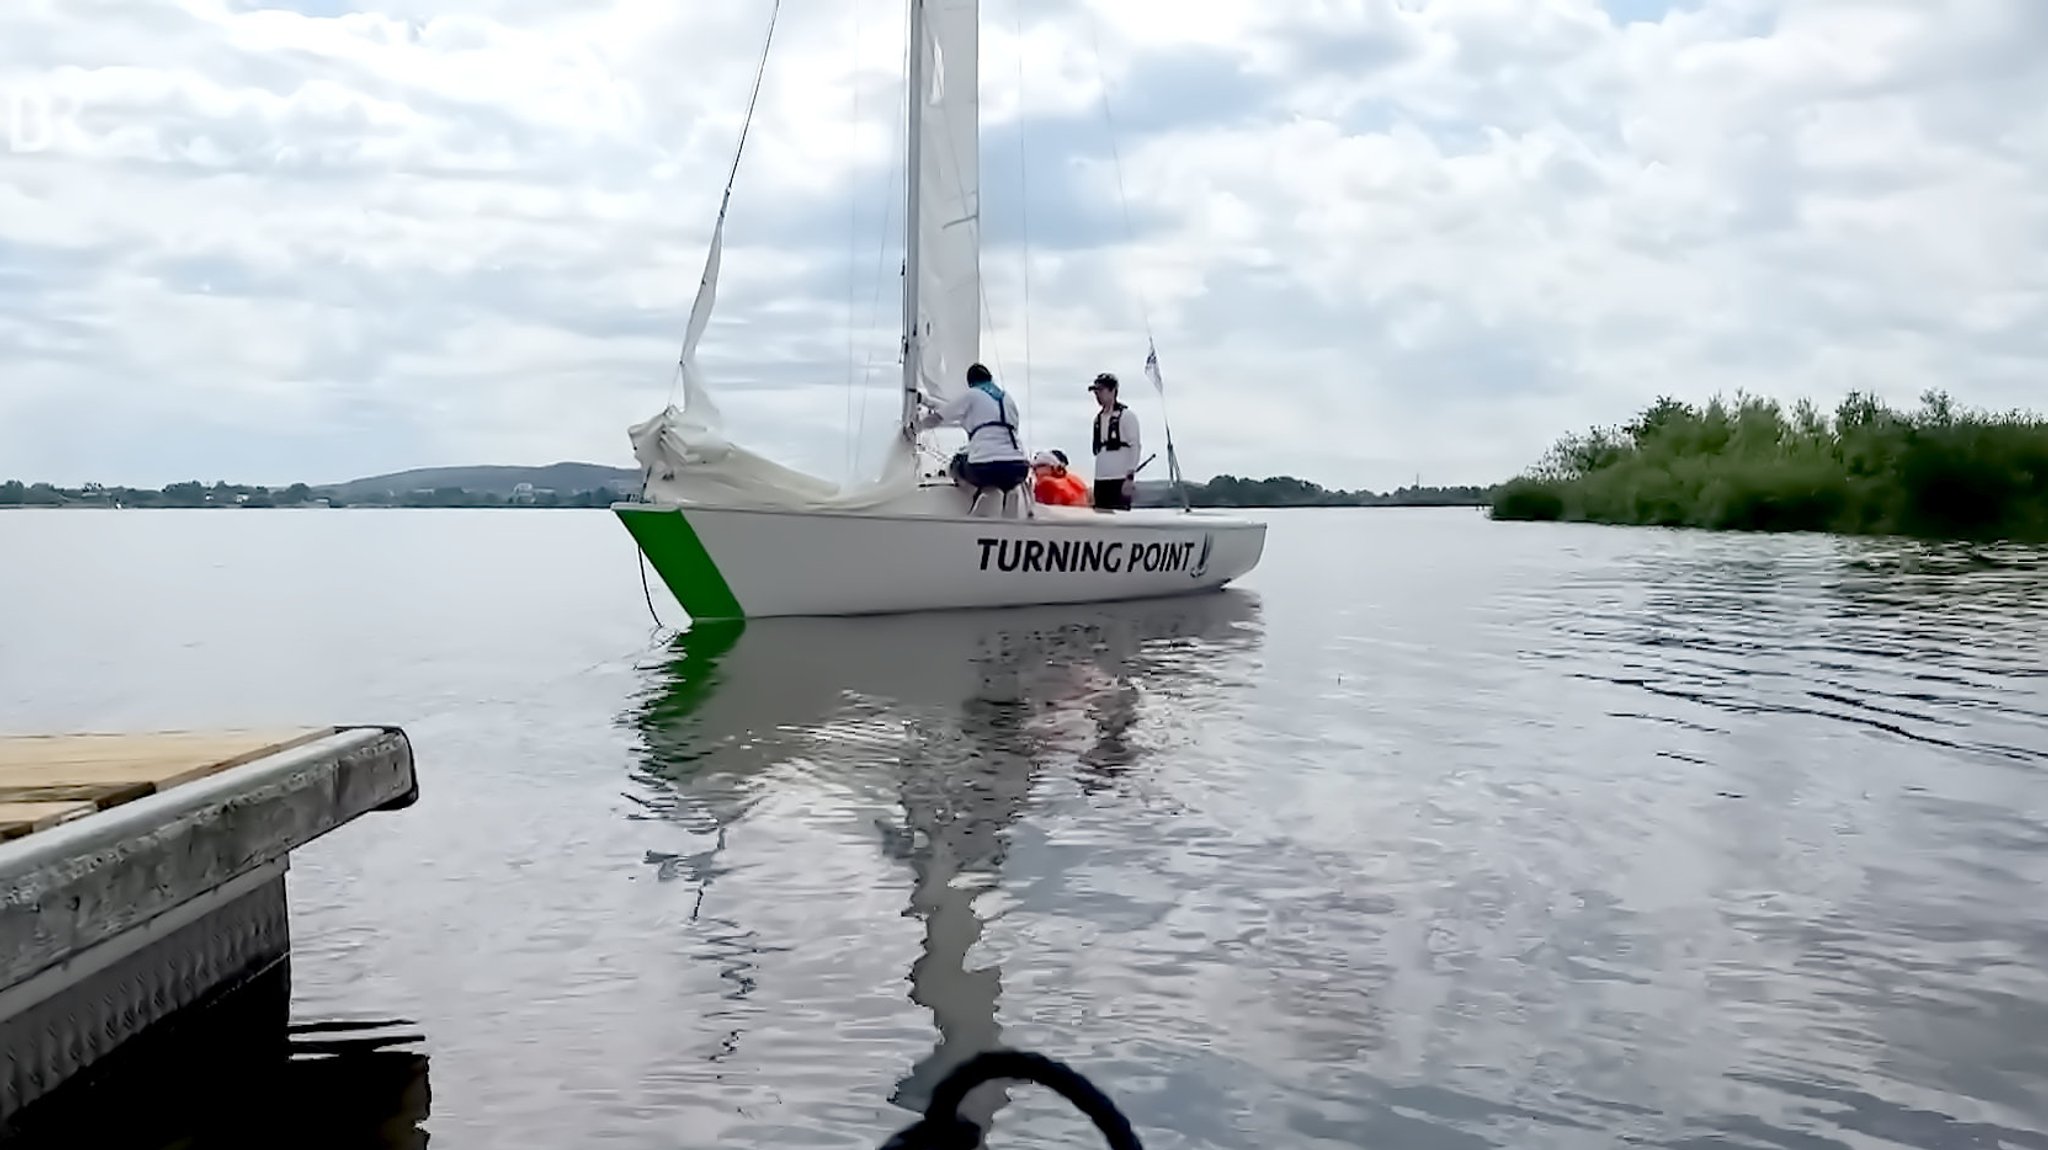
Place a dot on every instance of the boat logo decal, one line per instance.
(1093, 556)
(1202, 560)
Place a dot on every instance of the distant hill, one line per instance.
(565, 478)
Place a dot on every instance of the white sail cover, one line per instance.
(685, 456)
(949, 196)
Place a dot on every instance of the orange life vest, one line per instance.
(1062, 488)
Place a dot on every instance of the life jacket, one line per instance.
(1061, 489)
(1114, 439)
(1002, 417)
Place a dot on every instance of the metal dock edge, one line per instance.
(117, 920)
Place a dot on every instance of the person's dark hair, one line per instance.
(1061, 456)
(978, 374)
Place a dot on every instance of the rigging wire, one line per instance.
(1116, 155)
(733, 175)
(1131, 238)
(1024, 213)
(852, 247)
(892, 212)
(753, 98)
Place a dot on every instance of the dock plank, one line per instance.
(104, 770)
(17, 819)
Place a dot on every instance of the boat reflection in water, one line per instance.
(942, 726)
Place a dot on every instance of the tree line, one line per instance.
(1287, 491)
(1222, 491)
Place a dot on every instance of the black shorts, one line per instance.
(1000, 475)
(1109, 495)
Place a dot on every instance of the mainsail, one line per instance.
(684, 452)
(947, 205)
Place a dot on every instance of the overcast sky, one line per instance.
(1375, 238)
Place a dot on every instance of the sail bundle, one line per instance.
(685, 453)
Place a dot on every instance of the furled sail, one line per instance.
(685, 456)
(685, 453)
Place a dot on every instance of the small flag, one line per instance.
(1152, 369)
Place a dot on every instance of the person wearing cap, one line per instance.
(1053, 484)
(1116, 448)
(994, 458)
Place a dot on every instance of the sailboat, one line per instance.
(736, 535)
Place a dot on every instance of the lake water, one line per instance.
(1440, 834)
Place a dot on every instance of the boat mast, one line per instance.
(913, 352)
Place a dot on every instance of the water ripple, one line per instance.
(1444, 833)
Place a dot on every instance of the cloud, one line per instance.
(1374, 238)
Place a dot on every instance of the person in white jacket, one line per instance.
(995, 456)
(1116, 448)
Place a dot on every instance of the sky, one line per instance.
(1374, 240)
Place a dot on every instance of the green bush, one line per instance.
(1527, 498)
(1754, 466)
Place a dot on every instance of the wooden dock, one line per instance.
(143, 874)
(46, 780)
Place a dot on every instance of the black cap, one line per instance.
(1106, 379)
(976, 373)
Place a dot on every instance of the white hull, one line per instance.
(772, 562)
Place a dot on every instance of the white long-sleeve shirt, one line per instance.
(978, 413)
(1122, 462)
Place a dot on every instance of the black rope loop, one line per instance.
(942, 1127)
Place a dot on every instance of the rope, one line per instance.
(647, 592)
(942, 1127)
(531, 689)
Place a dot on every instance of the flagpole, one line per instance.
(1180, 486)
